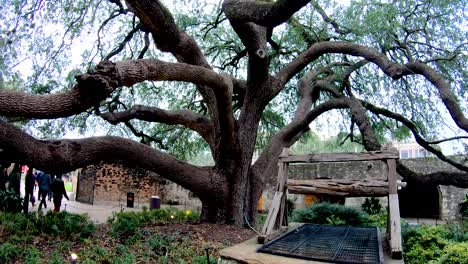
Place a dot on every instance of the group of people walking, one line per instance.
(49, 186)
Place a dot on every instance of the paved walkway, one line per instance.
(99, 213)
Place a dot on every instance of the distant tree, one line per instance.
(311, 143)
(235, 78)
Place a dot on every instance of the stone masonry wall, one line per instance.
(450, 196)
(114, 181)
(111, 182)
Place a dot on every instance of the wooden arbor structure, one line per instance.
(277, 221)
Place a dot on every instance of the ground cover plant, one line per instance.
(156, 236)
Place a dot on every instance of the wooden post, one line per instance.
(393, 224)
(276, 213)
(282, 218)
(283, 167)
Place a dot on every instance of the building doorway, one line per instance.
(419, 201)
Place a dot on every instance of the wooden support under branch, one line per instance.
(340, 157)
(347, 188)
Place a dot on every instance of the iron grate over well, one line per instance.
(336, 244)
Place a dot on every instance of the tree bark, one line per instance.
(338, 187)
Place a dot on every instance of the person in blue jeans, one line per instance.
(43, 181)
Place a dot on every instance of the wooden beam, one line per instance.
(396, 248)
(340, 157)
(272, 214)
(392, 176)
(340, 187)
(281, 220)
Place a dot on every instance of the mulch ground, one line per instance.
(210, 236)
(214, 233)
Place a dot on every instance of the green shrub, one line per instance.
(327, 213)
(59, 224)
(126, 223)
(57, 258)
(379, 220)
(159, 244)
(424, 243)
(31, 255)
(8, 252)
(455, 253)
(371, 206)
(202, 260)
(433, 244)
(10, 202)
(64, 224)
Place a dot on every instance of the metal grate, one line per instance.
(337, 244)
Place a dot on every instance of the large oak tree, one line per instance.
(233, 79)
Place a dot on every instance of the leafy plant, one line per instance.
(126, 223)
(59, 224)
(10, 202)
(371, 206)
(455, 253)
(432, 244)
(379, 220)
(31, 255)
(8, 252)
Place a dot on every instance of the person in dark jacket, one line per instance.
(43, 180)
(30, 181)
(14, 179)
(58, 189)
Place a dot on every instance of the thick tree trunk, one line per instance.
(218, 207)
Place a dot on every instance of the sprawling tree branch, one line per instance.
(91, 89)
(159, 21)
(94, 87)
(289, 134)
(459, 178)
(69, 154)
(414, 129)
(326, 18)
(391, 69)
(145, 139)
(358, 111)
(262, 13)
(186, 118)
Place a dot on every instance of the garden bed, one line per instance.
(120, 241)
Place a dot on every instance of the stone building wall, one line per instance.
(85, 186)
(111, 182)
(449, 196)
